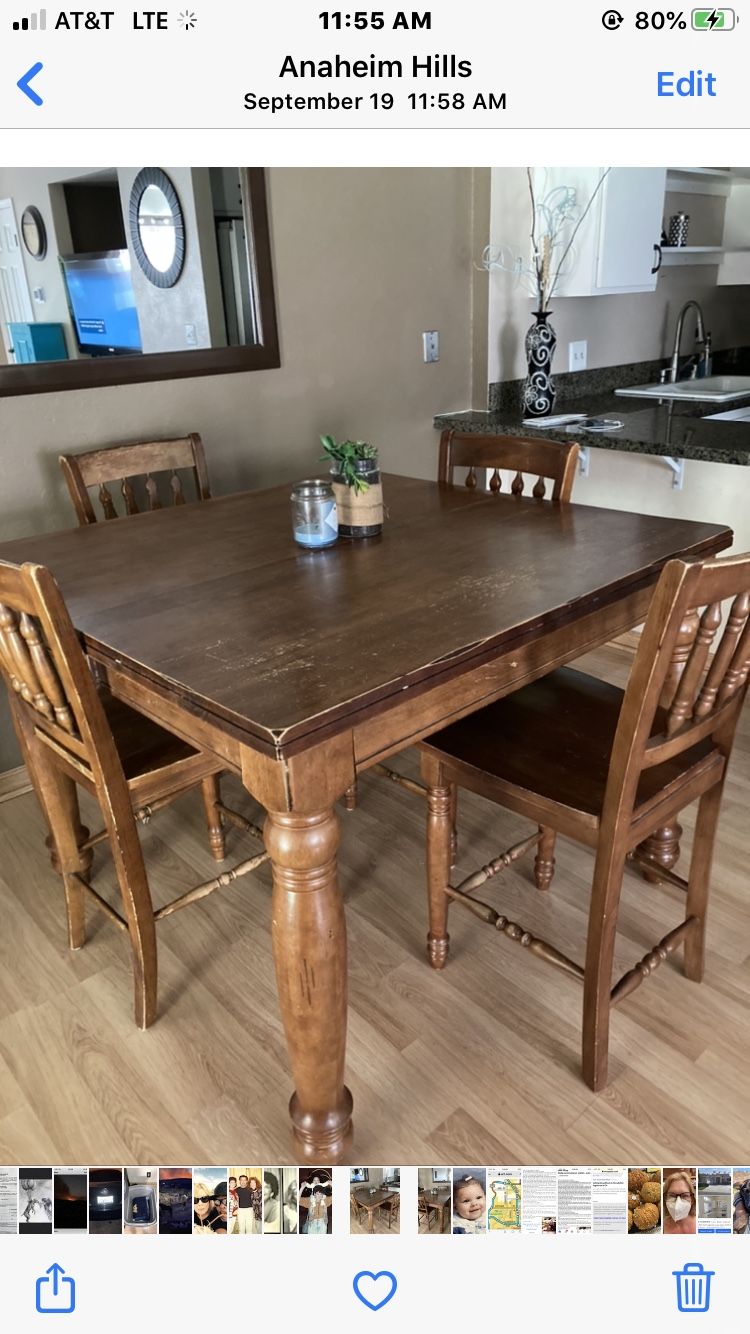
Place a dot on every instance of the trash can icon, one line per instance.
(693, 1287)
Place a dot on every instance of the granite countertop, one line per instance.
(650, 426)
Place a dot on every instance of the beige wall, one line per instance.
(365, 260)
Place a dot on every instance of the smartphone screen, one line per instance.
(374, 624)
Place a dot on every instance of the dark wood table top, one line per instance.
(283, 645)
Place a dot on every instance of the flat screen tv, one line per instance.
(102, 302)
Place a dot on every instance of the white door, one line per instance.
(15, 299)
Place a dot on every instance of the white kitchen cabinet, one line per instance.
(615, 248)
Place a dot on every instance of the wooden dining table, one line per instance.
(301, 669)
(372, 1201)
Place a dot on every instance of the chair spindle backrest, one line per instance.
(690, 675)
(122, 464)
(30, 667)
(701, 690)
(47, 673)
(546, 460)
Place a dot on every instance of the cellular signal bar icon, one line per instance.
(34, 23)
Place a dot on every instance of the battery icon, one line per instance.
(713, 20)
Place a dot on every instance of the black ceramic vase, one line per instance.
(538, 387)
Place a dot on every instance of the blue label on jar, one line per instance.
(321, 531)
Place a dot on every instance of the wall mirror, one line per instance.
(157, 227)
(34, 232)
(147, 274)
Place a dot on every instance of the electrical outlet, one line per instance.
(431, 345)
(577, 354)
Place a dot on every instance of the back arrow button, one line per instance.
(24, 83)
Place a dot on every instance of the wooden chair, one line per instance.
(392, 1208)
(73, 731)
(125, 463)
(607, 768)
(128, 463)
(548, 461)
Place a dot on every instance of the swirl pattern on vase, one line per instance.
(539, 388)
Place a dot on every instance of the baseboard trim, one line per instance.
(13, 783)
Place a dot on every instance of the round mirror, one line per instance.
(157, 227)
(34, 232)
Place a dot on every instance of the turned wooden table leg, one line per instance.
(544, 862)
(454, 823)
(309, 944)
(439, 831)
(662, 848)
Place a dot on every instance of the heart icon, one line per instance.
(381, 1287)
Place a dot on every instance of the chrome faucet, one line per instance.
(700, 334)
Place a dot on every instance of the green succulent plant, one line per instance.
(345, 454)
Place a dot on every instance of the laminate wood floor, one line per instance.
(439, 1225)
(478, 1063)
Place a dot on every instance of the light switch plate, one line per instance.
(431, 345)
(577, 355)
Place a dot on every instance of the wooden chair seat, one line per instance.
(143, 746)
(545, 751)
(609, 768)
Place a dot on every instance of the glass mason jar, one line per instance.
(314, 517)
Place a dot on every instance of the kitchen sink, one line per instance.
(734, 415)
(711, 389)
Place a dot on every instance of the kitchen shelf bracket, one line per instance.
(677, 467)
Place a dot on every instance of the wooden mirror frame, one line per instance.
(58, 376)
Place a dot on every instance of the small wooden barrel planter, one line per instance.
(360, 512)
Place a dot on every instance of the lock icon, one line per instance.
(55, 1294)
